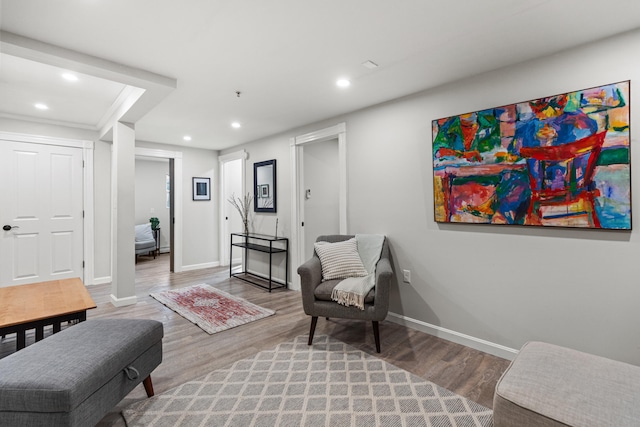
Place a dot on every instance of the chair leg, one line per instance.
(314, 320)
(376, 335)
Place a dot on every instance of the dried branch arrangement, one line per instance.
(243, 205)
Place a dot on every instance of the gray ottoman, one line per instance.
(75, 377)
(547, 385)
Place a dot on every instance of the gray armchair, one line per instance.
(316, 294)
(145, 241)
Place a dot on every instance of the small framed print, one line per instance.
(264, 191)
(201, 188)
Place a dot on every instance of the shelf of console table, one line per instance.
(260, 243)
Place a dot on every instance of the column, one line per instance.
(123, 272)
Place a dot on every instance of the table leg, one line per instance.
(39, 332)
(230, 255)
(270, 262)
(21, 341)
(286, 265)
(57, 327)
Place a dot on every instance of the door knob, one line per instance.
(8, 227)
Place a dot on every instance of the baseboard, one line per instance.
(453, 336)
(121, 302)
(101, 280)
(200, 266)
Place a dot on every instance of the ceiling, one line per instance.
(190, 57)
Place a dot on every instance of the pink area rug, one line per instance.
(211, 309)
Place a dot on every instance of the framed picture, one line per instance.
(557, 161)
(264, 191)
(201, 188)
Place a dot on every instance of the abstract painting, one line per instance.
(559, 161)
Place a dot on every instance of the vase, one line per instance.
(246, 227)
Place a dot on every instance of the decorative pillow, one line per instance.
(340, 260)
(144, 233)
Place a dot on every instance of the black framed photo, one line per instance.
(201, 188)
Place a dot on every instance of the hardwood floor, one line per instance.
(189, 352)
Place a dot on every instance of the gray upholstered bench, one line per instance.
(75, 377)
(552, 386)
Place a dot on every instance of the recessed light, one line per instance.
(236, 125)
(186, 138)
(70, 77)
(343, 83)
(41, 106)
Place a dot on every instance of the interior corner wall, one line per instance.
(200, 232)
(504, 285)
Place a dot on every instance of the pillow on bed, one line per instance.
(340, 260)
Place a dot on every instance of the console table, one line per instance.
(260, 243)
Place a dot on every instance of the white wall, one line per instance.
(492, 287)
(102, 211)
(151, 195)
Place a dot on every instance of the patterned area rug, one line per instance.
(211, 309)
(327, 384)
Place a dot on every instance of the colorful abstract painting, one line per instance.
(561, 161)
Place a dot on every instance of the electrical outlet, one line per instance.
(406, 276)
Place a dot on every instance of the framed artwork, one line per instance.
(201, 188)
(559, 161)
(264, 191)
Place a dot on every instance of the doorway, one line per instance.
(320, 192)
(153, 201)
(232, 183)
(174, 219)
(299, 145)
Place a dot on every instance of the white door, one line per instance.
(40, 213)
(320, 192)
(231, 184)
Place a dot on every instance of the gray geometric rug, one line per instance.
(327, 384)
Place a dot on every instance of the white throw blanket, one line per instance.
(353, 290)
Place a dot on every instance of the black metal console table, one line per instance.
(260, 243)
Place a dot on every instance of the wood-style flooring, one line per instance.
(189, 352)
